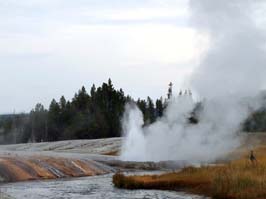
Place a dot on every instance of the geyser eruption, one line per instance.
(230, 73)
(132, 124)
(173, 138)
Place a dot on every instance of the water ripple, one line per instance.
(96, 187)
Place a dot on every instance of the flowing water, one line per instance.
(95, 187)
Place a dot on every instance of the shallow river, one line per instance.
(96, 187)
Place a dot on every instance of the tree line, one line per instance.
(94, 114)
(89, 115)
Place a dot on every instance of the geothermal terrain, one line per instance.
(77, 158)
(72, 158)
(72, 169)
(81, 169)
(48, 160)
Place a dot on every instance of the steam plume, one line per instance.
(229, 74)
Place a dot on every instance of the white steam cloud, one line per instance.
(229, 74)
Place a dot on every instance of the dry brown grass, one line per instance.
(238, 179)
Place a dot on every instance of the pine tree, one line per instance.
(159, 107)
(38, 118)
(151, 110)
(170, 90)
(81, 100)
(62, 103)
(54, 131)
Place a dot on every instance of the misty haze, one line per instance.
(135, 99)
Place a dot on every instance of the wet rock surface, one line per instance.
(14, 169)
(63, 159)
(49, 160)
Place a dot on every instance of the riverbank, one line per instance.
(238, 179)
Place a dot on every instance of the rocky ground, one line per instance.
(72, 158)
(97, 146)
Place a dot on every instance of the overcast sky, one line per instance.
(50, 48)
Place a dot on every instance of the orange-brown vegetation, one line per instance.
(238, 179)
